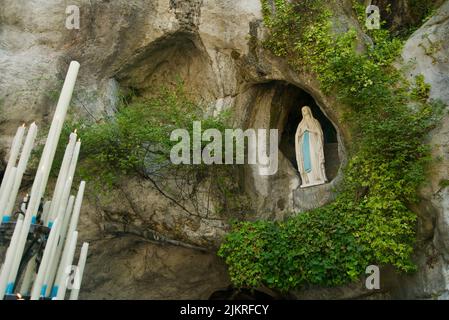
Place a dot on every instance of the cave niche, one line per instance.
(286, 112)
(276, 104)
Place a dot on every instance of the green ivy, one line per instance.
(135, 142)
(370, 222)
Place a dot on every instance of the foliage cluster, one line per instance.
(135, 142)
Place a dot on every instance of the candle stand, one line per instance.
(36, 241)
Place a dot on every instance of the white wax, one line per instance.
(70, 172)
(13, 154)
(61, 112)
(51, 247)
(67, 263)
(51, 274)
(36, 291)
(45, 212)
(62, 176)
(73, 226)
(28, 278)
(81, 265)
(9, 183)
(9, 254)
(44, 167)
(27, 147)
(21, 167)
(32, 207)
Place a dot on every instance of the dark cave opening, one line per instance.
(290, 99)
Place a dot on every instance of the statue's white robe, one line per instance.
(316, 143)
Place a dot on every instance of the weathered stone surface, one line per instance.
(133, 268)
(427, 51)
(212, 46)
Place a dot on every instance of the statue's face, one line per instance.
(305, 112)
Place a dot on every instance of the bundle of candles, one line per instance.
(49, 273)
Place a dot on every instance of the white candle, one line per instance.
(8, 262)
(13, 154)
(45, 212)
(28, 278)
(50, 248)
(81, 265)
(21, 167)
(9, 183)
(67, 263)
(50, 276)
(62, 176)
(44, 167)
(73, 226)
(37, 287)
(27, 147)
(61, 111)
(32, 206)
(70, 173)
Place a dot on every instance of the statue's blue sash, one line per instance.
(306, 152)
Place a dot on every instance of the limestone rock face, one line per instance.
(427, 51)
(213, 46)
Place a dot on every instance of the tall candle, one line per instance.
(45, 212)
(73, 225)
(21, 167)
(69, 174)
(61, 111)
(51, 248)
(62, 176)
(13, 154)
(44, 167)
(32, 206)
(8, 262)
(6, 193)
(67, 263)
(81, 266)
(28, 278)
(37, 287)
(50, 276)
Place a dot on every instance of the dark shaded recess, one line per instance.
(293, 99)
(402, 17)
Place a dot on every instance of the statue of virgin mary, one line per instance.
(309, 143)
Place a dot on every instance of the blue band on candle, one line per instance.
(50, 224)
(33, 220)
(6, 219)
(10, 288)
(43, 290)
(54, 291)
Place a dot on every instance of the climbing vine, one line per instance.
(370, 221)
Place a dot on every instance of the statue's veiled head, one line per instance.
(306, 112)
